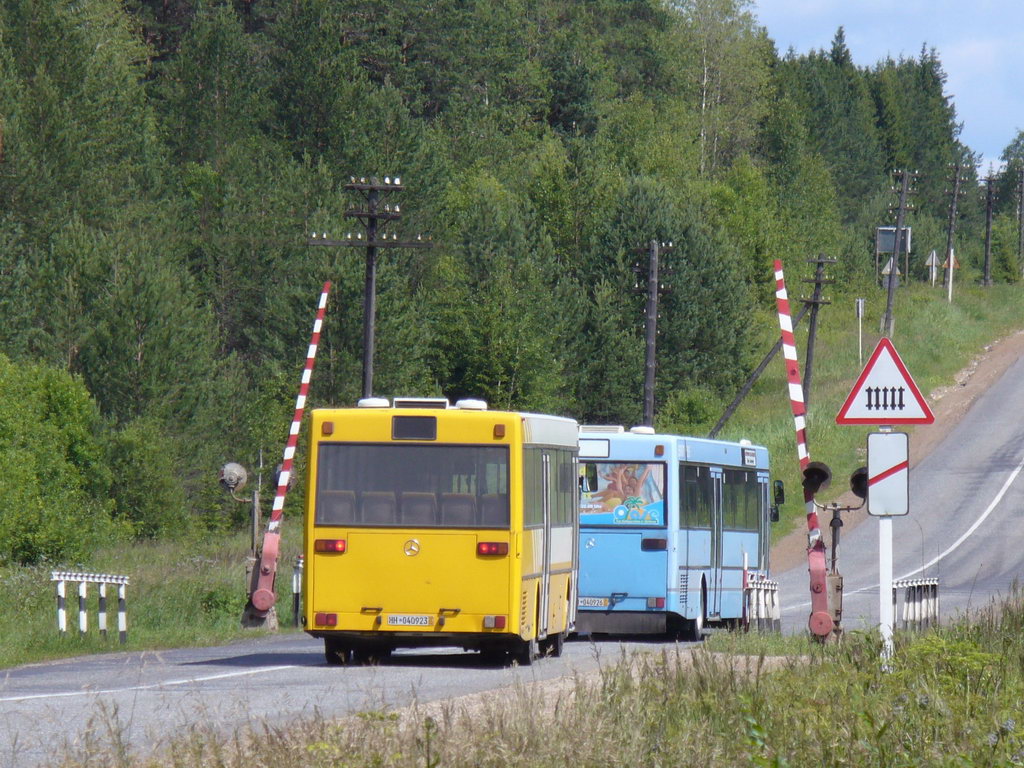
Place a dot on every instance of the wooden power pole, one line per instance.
(653, 290)
(954, 200)
(990, 196)
(373, 217)
(903, 179)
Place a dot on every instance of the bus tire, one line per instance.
(371, 655)
(527, 651)
(695, 626)
(552, 645)
(492, 656)
(335, 653)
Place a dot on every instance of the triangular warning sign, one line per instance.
(885, 393)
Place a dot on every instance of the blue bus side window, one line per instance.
(696, 502)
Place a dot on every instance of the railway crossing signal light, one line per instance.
(817, 477)
(859, 482)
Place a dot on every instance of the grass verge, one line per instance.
(949, 697)
(181, 593)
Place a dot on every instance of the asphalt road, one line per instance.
(965, 525)
(151, 697)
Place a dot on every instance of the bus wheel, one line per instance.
(527, 651)
(696, 625)
(371, 655)
(552, 645)
(335, 653)
(492, 656)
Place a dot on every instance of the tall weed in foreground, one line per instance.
(950, 697)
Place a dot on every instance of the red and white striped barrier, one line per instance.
(820, 622)
(263, 597)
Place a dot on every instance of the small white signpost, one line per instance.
(933, 265)
(885, 394)
(859, 304)
(945, 265)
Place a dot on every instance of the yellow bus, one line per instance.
(436, 525)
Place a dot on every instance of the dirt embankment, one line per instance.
(949, 404)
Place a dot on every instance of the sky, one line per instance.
(979, 42)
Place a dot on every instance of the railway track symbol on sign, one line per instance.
(885, 393)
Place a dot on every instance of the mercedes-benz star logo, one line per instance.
(411, 547)
(591, 542)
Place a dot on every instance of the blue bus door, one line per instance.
(714, 606)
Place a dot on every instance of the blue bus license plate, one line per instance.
(593, 602)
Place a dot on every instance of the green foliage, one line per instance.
(144, 488)
(55, 476)
(164, 161)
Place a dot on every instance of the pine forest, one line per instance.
(164, 162)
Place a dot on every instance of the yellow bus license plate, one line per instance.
(409, 620)
(593, 602)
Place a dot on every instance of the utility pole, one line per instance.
(990, 196)
(376, 211)
(1020, 218)
(904, 192)
(814, 302)
(654, 289)
(951, 224)
(752, 379)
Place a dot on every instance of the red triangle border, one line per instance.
(885, 343)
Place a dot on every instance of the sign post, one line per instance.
(888, 497)
(951, 264)
(933, 266)
(884, 395)
(859, 304)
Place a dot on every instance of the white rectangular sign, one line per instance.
(888, 474)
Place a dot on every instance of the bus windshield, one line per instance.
(454, 486)
(622, 493)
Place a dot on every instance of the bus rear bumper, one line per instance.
(470, 641)
(621, 622)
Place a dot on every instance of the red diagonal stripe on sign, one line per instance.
(888, 473)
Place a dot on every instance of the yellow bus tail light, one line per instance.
(494, 622)
(329, 545)
(492, 548)
(325, 619)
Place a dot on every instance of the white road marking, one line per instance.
(186, 681)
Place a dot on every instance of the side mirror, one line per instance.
(817, 477)
(588, 478)
(780, 493)
(859, 482)
(773, 513)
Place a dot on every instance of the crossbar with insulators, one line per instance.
(920, 602)
(84, 580)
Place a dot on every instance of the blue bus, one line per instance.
(667, 526)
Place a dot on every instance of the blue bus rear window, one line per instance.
(622, 493)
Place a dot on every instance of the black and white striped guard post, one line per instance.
(83, 580)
